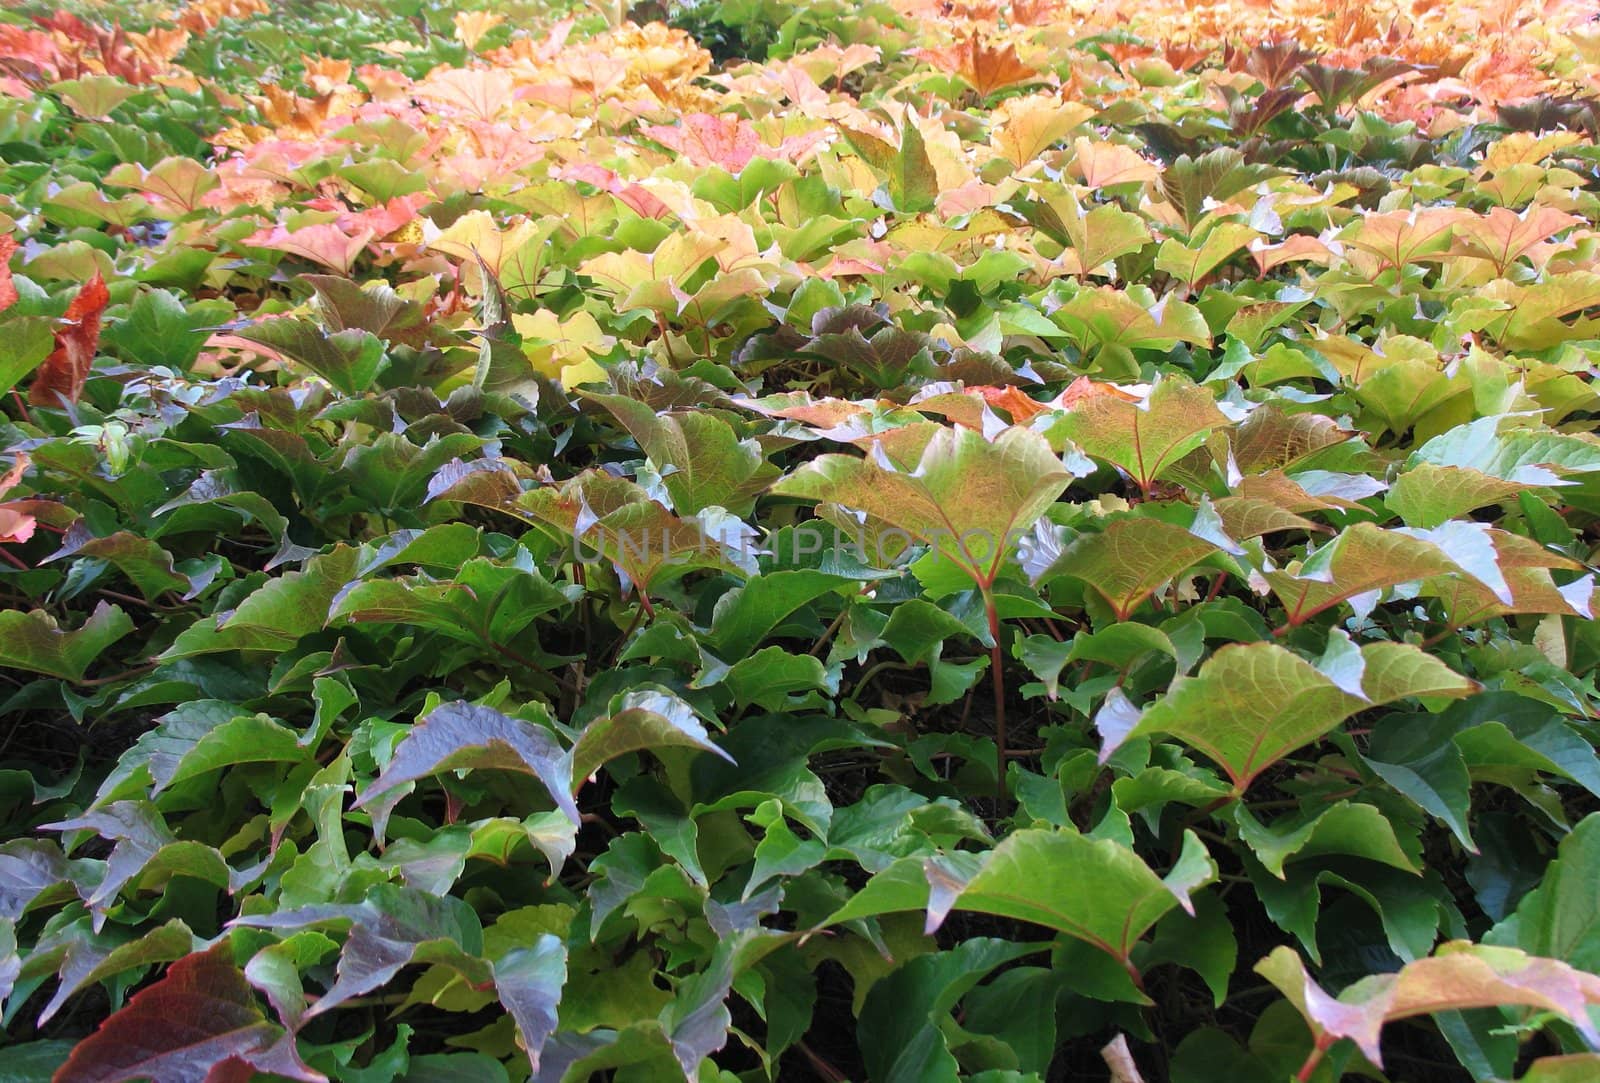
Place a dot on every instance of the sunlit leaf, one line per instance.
(967, 495)
(1252, 704)
(1458, 976)
(1144, 438)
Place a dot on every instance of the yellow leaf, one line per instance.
(476, 235)
(563, 350)
(471, 26)
(1025, 127)
(1525, 148)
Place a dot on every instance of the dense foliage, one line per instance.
(899, 541)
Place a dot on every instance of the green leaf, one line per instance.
(1429, 495)
(643, 540)
(86, 963)
(1110, 323)
(640, 720)
(1573, 1068)
(1095, 890)
(1558, 918)
(195, 739)
(1129, 560)
(487, 603)
(1345, 828)
(1096, 236)
(393, 473)
(1496, 447)
(461, 736)
(389, 929)
(275, 970)
(1190, 262)
(24, 344)
(768, 677)
(702, 461)
(349, 360)
(746, 615)
(276, 615)
(902, 1034)
(159, 330)
(913, 185)
(1362, 560)
(147, 565)
(30, 1062)
(1417, 757)
(529, 981)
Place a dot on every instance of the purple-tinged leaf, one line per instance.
(458, 736)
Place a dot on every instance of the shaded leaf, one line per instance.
(639, 721)
(1130, 559)
(457, 736)
(35, 642)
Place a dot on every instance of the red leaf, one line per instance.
(32, 55)
(201, 1021)
(63, 373)
(8, 289)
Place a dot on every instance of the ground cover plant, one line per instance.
(753, 540)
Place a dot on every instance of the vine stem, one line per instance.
(136, 671)
(1314, 1058)
(827, 634)
(633, 626)
(998, 679)
(1198, 815)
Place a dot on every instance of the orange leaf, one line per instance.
(1083, 389)
(1503, 235)
(1011, 399)
(1400, 238)
(1101, 164)
(8, 289)
(1297, 247)
(727, 142)
(33, 54)
(985, 68)
(63, 373)
(15, 526)
(724, 141)
(471, 26)
(14, 475)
